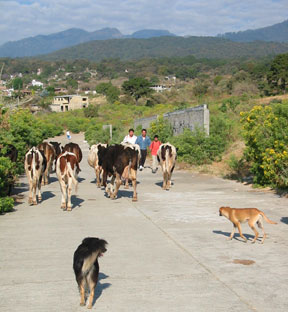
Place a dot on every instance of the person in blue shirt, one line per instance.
(143, 141)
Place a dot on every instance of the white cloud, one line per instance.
(24, 18)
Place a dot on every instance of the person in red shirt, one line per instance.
(154, 146)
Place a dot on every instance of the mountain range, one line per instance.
(99, 44)
(276, 33)
(200, 47)
(43, 44)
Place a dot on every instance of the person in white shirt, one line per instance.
(130, 138)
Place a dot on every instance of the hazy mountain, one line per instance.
(44, 44)
(276, 33)
(201, 47)
(150, 33)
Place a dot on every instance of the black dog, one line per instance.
(86, 267)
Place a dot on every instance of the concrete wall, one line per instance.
(69, 102)
(191, 118)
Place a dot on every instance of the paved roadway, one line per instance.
(167, 252)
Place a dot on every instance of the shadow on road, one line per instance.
(52, 179)
(284, 220)
(76, 201)
(123, 193)
(47, 194)
(236, 235)
(100, 287)
(81, 179)
(160, 184)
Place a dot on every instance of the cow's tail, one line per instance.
(167, 160)
(33, 169)
(72, 175)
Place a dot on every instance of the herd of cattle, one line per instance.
(118, 161)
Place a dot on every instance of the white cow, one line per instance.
(35, 165)
(93, 160)
(166, 156)
(67, 169)
(136, 147)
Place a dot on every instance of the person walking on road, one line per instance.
(130, 137)
(154, 146)
(68, 135)
(143, 141)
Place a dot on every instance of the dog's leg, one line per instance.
(260, 225)
(251, 223)
(92, 279)
(232, 233)
(240, 232)
(82, 292)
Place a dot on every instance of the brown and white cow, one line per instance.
(166, 156)
(119, 161)
(58, 150)
(67, 169)
(35, 165)
(49, 153)
(136, 147)
(93, 160)
(73, 148)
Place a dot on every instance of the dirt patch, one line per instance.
(244, 262)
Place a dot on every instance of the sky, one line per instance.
(24, 18)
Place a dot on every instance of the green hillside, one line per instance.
(275, 33)
(200, 47)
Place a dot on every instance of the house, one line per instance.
(160, 88)
(63, 103)
(37, 83)
(59, 90)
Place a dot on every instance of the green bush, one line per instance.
(6, 204)
(265, 133)
(195, 147)
(7, 175)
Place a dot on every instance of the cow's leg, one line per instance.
(39, 189)
(134, 183)
(34, 192)
(69, 191)
(118, 183)
(98, 182)
(104, 178)
(169, 180)
(164, 180)
(63, 191)
(30, 189)
(126, 184)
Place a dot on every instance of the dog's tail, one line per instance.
(266, 219)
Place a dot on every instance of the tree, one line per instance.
(17, 83)
(72, 83)
(111, 92)
(278, 75)
(137, 87)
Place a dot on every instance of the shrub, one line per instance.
(265, 133)
(6, 204)
(7, 175)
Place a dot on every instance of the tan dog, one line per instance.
(238, 216)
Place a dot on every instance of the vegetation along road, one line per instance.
(166, 252)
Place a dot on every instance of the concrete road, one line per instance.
(167, 252)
